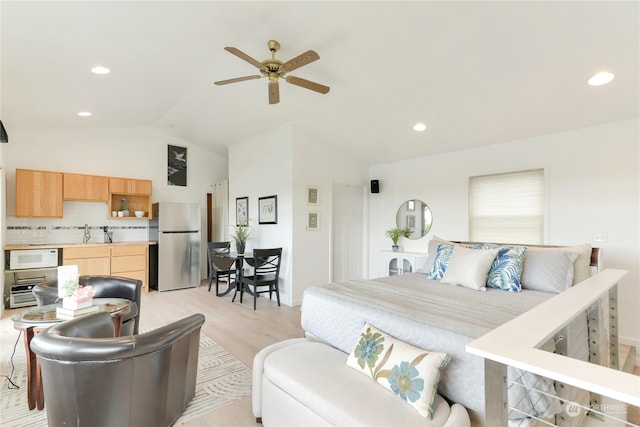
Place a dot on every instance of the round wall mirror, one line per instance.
(416, 216)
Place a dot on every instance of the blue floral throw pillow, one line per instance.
(409, 372)
(441, 261)
(506, 270)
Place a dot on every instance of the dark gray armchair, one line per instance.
(92, 378)
(105, 287)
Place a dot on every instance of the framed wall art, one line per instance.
(268, 210)
(176, 165)
(242, 211)
(312, 196)
(313, 221)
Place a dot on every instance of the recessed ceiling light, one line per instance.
(601, 78)
(419, 127)
(84, 113)
(100, 70)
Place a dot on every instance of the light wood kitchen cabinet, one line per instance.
(130, 186)
(93, 260)
(89, 188)
(38, 193)
(41, 193)
(136, 191)
(124, 260)
(131, 261)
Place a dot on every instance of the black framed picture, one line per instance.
(268, 210)
(177, 165)
(242, 211)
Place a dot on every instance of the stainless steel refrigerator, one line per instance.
(175, 261)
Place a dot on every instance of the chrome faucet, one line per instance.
(87, 234)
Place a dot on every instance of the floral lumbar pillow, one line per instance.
(409, 372)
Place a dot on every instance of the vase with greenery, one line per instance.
(242, 233)
(395, 233)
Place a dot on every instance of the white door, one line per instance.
(220, 210)
(347, 232)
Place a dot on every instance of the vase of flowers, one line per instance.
(77, 296)
(395, 233)
(242, 233)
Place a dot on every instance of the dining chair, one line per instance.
(266, 272)
(219, 266)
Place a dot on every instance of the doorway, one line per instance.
(348, 234)
(209, 217)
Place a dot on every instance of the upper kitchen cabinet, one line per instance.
(130, 186)
(38, 193)
(137, 192)
(88, 188)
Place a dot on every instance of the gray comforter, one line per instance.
(429, 315)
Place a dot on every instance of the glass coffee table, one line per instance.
(33, 320)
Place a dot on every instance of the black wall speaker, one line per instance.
(375, 186)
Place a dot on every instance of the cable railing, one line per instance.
(591, 390)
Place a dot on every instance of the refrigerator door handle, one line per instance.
(189, 256)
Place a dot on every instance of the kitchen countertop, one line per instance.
(72, 245)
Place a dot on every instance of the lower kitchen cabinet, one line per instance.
(91, 261)
(131, 261)
(124, 260)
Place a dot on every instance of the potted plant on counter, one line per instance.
(395, 233)
(242, 233)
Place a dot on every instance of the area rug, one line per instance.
(221, 379)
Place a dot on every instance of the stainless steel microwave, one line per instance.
(22, 259)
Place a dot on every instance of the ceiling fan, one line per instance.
(275, 70)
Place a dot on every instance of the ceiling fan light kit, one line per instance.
(275, 69)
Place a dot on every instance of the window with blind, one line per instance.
(507, 207)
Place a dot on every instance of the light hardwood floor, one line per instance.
(236, 327)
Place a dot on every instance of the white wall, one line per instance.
(258, 167)
(136, 152)
(317, 164)
(285, 161)
(592, 177)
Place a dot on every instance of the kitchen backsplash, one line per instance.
(70, 228)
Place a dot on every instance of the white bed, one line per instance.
(438, 317)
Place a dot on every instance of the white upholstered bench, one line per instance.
(300, 382)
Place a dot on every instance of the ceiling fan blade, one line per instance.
(300, 60)
(307, 84)
(237, 79)
(274, 92)
(240, 54)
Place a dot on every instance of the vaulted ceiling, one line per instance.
(475, 73)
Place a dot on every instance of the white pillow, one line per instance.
(469, 267)
(548, 269)
(409, 372)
